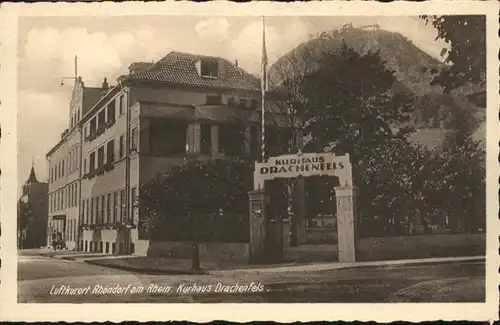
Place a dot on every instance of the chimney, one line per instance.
(236, 63)
(105, 85)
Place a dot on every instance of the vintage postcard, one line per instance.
(258, 161)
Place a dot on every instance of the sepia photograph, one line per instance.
(259, 158)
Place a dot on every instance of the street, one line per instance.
(40, 278)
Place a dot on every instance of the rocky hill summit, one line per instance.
(411, 66)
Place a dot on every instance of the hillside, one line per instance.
(409, 63)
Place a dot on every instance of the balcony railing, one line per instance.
(100, 130)
(100, 170)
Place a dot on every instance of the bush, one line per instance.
(403, 186)
(206, 198)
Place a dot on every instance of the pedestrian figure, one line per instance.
(54, 240)
(59, 240)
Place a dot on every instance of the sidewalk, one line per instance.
(313, 267)
(74, 255)
(173, 266)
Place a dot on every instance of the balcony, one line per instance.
(99, 171)
(100, 130)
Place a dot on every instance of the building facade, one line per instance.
(154, 118)
(32, 214)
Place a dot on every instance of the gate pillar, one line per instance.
(258, 223)
(346, 224)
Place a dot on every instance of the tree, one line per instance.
(462, 185)
(196, 188)
(26, 218)
(351, 107)
(288, 115)
(466, 55)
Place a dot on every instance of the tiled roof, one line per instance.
(180, 68)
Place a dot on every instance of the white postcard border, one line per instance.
(11, 310)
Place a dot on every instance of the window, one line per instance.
(209, 68)
(100, 157)
(102, 209)
(231, 101)
(101, 118)
(84, 211)
(89, 209)
(133, 196)
(85, 165)
(109, 209)
(123, 211)
(69, 195)
(213, 99)
(92, 211)
(115, 206)
(78, 115)
(62, 168)
(254, 104)
(133, 144)
(120, 107)
(110, 152)
(205, 138)
(122, 146)
(76, 194)
(111, 111)
(93, 125)
(69, 160)
(77, 158)
(92, 161)
(98, 209)
(167, 138)
(254, 141)
(231, 139)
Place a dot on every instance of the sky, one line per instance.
(106, 46)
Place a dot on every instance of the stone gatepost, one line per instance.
(257, 252)
(346, 224)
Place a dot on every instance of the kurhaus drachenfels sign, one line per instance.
(310, 164)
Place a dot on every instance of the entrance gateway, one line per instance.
(304, 165)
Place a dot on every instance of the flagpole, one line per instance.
(263, 91)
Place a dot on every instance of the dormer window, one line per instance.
(209, 68)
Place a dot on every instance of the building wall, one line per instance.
(143, 101)
(36, 198)
(185, 95)
(107, 187)
(63, 191)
